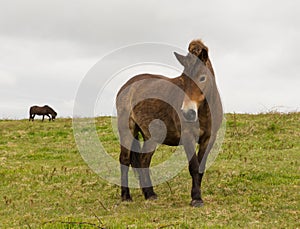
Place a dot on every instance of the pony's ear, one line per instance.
(186, 61)
(203, 56)
(181, 59)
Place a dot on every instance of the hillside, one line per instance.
(254, 182)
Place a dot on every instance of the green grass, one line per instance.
(254, 182)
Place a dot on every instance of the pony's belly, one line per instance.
(171, 141)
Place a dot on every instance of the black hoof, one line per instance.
(152, 197)
(125, 194)
(127, 199)
(149, 194)
(197, 203)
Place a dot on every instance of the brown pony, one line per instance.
(185, 110)
(45, 110)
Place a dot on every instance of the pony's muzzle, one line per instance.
(190, 115)
(189, 111)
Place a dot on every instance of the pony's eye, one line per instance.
(202, 78)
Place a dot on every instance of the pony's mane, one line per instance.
(50, 108)
(196, 46)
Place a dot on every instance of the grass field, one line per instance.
(254, 182)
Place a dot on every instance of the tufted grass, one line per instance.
(254, 182)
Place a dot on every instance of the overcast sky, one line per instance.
(47, 47)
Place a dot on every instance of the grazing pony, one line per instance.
(185, 110)
(45, 110)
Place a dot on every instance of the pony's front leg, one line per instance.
(205, 146)
(43, 118)
(189, 147)
(49, 117)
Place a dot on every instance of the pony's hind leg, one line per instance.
(126, 139)
(124, 163)
(144, 171)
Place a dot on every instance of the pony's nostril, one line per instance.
(190, 115)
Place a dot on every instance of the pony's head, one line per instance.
(197, 79)
(54, 114)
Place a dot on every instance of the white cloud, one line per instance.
(7, 79)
